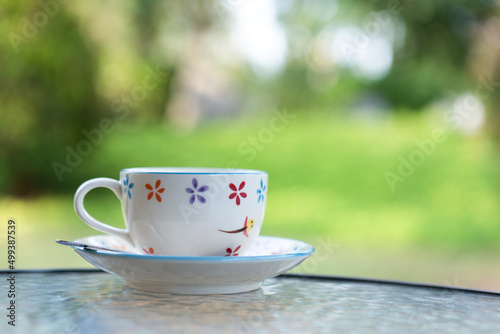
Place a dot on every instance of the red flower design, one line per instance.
(237, 192)
(155, 191)
(230, 252)
(149, 251)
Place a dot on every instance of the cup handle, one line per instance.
(116, 187)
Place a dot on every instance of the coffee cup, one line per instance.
(184, 211)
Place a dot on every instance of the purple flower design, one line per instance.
(195, 191)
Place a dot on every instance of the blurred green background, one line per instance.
(377, 123)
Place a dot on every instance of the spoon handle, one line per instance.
(84, 246)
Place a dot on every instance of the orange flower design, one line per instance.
(156, 191)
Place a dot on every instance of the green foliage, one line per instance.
(63, 76)
(47, 94)
(433, 50)
(326, 183)
(327, 176)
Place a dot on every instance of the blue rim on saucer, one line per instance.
(268, 257)
(304, 250)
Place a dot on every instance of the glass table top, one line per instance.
(97, 302)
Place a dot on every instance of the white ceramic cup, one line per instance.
(185, 211)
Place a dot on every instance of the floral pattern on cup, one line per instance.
(231, 252)
(149, 251)
(237, 192)
(155, 191)
(261, 191)
(247, 227)
(195, 191)
(127, 185)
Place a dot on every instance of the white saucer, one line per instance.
(268, 257)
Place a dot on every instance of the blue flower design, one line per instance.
(261, 191)
(127, 186)
(195, 192)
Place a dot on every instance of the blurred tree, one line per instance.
(47, 95)
(64, 65)
(437, 48)
(432, 57)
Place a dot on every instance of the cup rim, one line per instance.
(190, 170)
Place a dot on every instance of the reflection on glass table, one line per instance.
(91, 301)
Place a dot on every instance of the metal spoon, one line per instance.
(85, 246)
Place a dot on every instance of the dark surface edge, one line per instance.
(285, 276)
